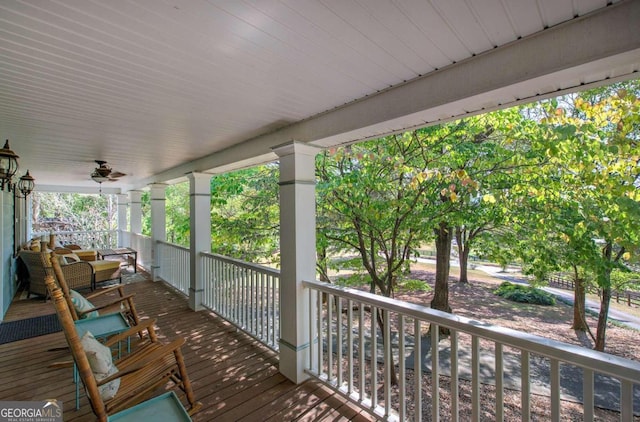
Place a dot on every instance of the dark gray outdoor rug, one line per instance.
(30, 327)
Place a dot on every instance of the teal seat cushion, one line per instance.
(82, 305)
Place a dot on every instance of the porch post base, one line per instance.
(292, 361)
(195, 299)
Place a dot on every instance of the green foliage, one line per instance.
(245, 214)
(356, 279)
(177, 215)
(145, 206)
(625, 280)
(524, 294)
(79, 212)
(412, 285)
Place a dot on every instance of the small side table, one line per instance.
(127, 252)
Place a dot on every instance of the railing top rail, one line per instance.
(599, 362)
(173, 245)
(261, 268)
(41, 232)
(144, 236)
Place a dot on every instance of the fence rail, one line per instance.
(359, 340)
(86, 239)
(174, 263)
(247, 295)
(628, 297)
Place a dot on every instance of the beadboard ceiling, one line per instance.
(160, 88)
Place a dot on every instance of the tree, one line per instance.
(245, 214)
(177, 214)
(371, 193)
(75, 212)
(594, 157)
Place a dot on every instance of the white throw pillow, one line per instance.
(70, 258)
(101, 363)
(82, 305)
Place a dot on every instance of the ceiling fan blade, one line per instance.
(117, 174)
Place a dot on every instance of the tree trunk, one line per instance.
(579, 304)
(463, 258)
(321, 265)
(603, 316)
(394, 374)
(440, 299)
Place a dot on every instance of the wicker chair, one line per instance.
(78, 275)
(123, 303)
(142, 372)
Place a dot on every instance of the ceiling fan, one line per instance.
(104, 173)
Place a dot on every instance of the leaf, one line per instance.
(489, 198)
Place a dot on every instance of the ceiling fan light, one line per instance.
(98, 178)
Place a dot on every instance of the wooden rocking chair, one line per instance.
(140, 373)
(123, 303)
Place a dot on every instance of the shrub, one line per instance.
(524, 294)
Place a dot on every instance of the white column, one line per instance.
(28, 212)
(200, 234)
(123, 205)
(298, 253)
(20, 207)
(135, 211)
(158, 225)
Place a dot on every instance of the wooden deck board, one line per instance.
(235, 377)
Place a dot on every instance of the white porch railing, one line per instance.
(142, 244)
(89, 239)
(244, 294)
(174, 262)
(345, 337)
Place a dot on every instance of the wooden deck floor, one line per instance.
(234, 377)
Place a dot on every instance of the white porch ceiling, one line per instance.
(161, 88)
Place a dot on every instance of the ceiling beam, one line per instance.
(543, 64)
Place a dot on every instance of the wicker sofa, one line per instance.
(79, 274)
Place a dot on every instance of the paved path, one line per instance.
(567, 296)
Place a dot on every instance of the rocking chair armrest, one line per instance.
(133, 331)
(153, 356)
(101, 292)
(107, 305)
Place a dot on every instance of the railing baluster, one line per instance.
(499, 383)
(374, 357)
(475, 378)
(417, 369)
(312, 321)
(402, 376)
(525, 386)
(555, 389)
(588, 395)
(361, 351)
(268, 306)
(320, 334)
(338, 301)
(454, 376)
(388, 362)
(435, 373)
(626, 401)
(330, 339)
(349, 346)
